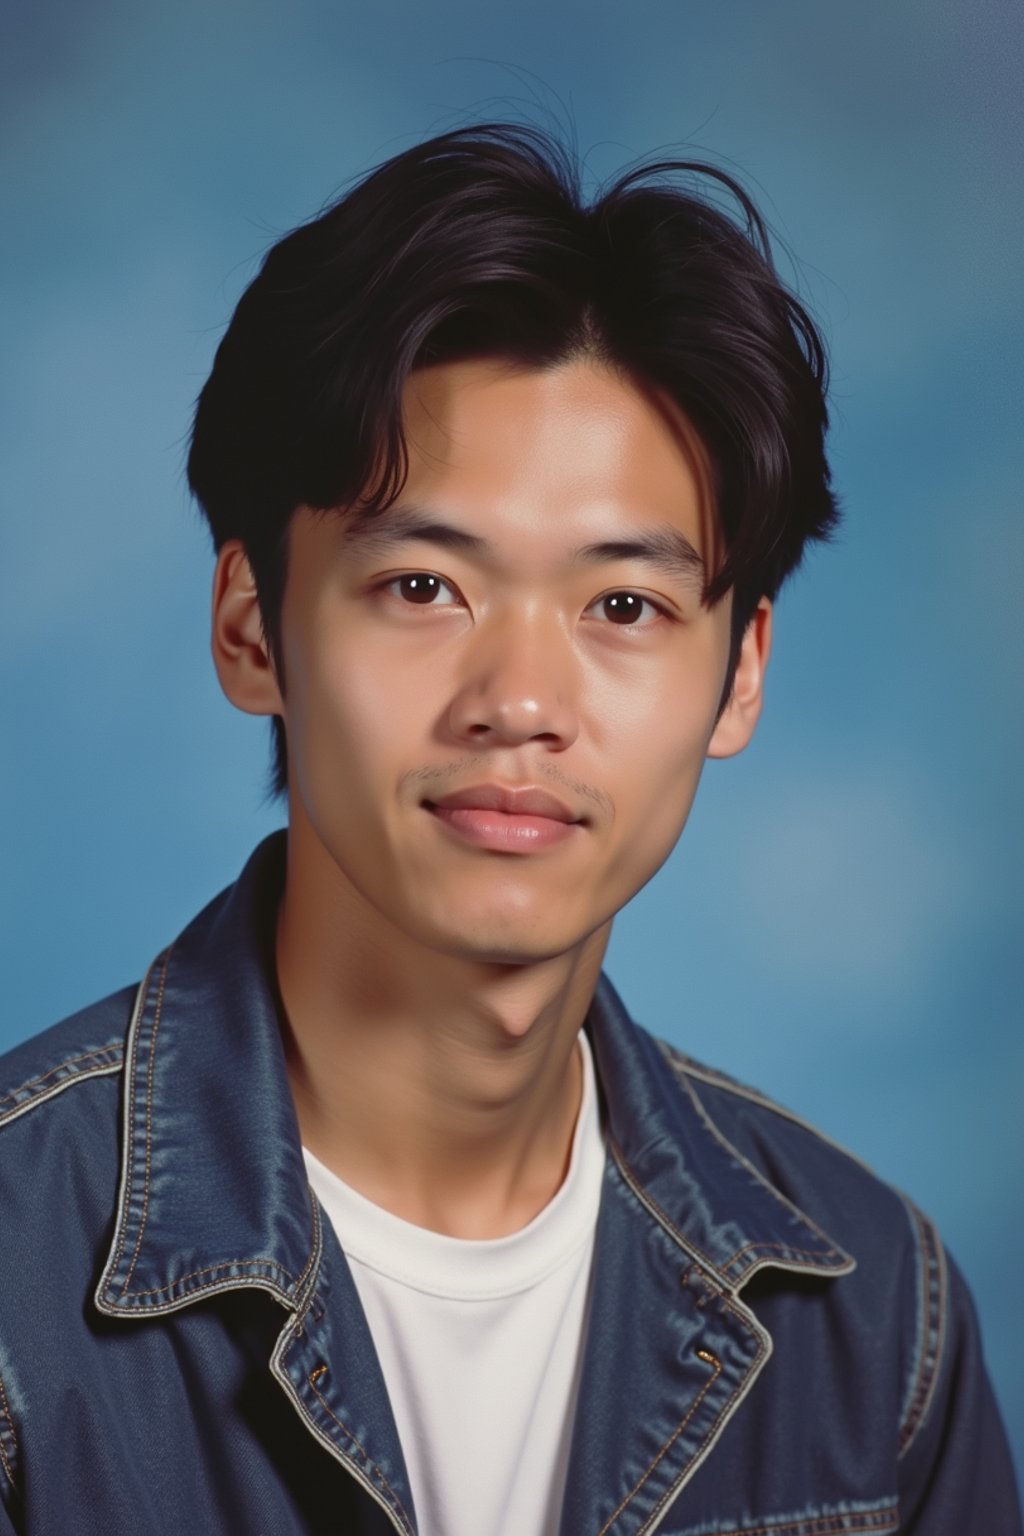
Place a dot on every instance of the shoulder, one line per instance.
(85, 1047)
(833, 1184)
(903, 1275)
(896, 1333)
(60, 1134)
(60, 1116)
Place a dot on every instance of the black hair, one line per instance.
(479, 242)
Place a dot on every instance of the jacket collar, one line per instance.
(213, 1190)
(710, 1199)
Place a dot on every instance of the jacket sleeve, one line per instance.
(956, 1473)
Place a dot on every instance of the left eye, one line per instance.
(423, 588)
(625, 608)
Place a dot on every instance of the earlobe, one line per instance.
(736, 724)
(241, 654)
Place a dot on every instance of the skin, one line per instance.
(434, 988)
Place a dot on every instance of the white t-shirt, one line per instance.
(480, 1343)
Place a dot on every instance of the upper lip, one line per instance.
(514, 802)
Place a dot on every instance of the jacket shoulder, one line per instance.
(951, 1454)
(85, 1045)
(904, 1270)
(736, 1106)
(826, 1181)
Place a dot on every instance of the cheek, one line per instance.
(658, 721)
(353, 721)
(657, 741)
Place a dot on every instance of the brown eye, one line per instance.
(625, 607)
(421, 587)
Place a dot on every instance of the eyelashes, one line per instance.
(620, 607)
(420, 587)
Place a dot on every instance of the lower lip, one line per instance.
(500, 831)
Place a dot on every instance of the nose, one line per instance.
(519, 684)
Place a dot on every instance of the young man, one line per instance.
(371, 1209)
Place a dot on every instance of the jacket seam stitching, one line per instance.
(686, 1243)
(399, 1507)
(684, 1066)
(274, 1266)
(15, 1095)
(124, 1198)
(314, 1250)
(876, 1522)
(85, 1075)
(210, 1269)
(738, 1311)
(721, 1272)
(150, 1076)
(932, 1299)
(7, 1458)
(162, 1307)
(5, 1464)
(705, 1389)
(783, 1248)
(721, 1417)
(831, 1250)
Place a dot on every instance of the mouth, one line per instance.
(505, 820)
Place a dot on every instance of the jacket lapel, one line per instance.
(671, 1350)
(213, 1193)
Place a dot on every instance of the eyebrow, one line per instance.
(664, 548)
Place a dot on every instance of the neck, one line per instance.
(443, 1089)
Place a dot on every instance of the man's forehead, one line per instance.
(513, 397)
(580, 459)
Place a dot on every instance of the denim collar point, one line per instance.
(213, 1192)
(720, 1210)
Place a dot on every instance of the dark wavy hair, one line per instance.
(479, 243)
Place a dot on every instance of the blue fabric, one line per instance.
(777, 1341)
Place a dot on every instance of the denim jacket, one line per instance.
(777, 1342)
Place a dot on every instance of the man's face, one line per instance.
(527, 616)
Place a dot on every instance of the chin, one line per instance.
(505, 953)
(508, 940)
(503, 946)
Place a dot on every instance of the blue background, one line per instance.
(841, 922)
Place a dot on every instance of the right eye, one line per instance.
(422, 588)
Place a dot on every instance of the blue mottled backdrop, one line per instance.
(841, 923)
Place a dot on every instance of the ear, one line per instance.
(241, 654)
(736, 723)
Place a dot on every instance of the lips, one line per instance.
(500, 820)
(512, 802)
